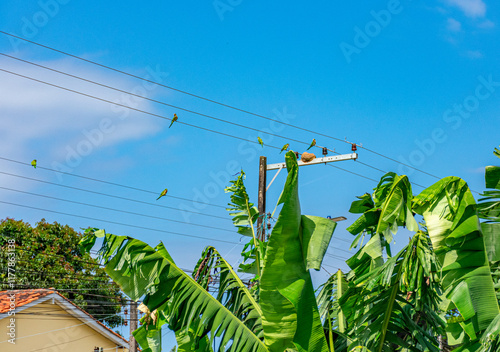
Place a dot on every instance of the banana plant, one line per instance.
(450, 213)
(281, 315)
(441, 280)
(390, 301)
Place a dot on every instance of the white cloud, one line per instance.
(487, 24)
(474, 54)
(471, 8)
(44, 122)
(453, 25)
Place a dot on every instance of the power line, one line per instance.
(340, 249)
(71, 276)
(107, 195)
(399, 162)
(119, 223)
(213, 101)
(181, 122)
(60, 255)
(101, 266)
(185, 270)
(341, 239)
(371, 179)
(83, 261)
(135, 109)
(336, 256)
(110, 183)
(154, 100)
(352, 172)
(116, 210)
(177, 107)
(76, 275)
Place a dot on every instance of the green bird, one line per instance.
(173, 120)
(260, 141)
(33, 163)
(285, 147)
(313, 143)
(163, 193)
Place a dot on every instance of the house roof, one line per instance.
(22, 297)
(27, 298)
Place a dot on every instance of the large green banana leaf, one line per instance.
(382, 213)
(245, 215)
(394, 195)
(489, 209)
(328, 301)
(334, 322)
(142, 271)
(450, 213)
(290, 313)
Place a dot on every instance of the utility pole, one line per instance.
(262, 197)
(133, 326)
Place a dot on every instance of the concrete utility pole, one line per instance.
(133, 326)
(263, 168)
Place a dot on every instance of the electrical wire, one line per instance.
(119, 223)
(117, 210)
(213, 101)
(352, 172)
(104, 194)
(111, 183)
(336, 256)
(60, 255)
(75, 259)
(65, 275)
(181, 122)
(135, 109)
(185, 270)
(154, 100)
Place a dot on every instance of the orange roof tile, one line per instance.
(22, 297)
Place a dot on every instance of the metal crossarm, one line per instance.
(326, 159)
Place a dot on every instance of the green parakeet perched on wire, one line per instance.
(313, 143)
(163, 193)
(175, 118)
(260, 141)
(285, 147)
(33, 163)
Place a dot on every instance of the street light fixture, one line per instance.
(337, 219)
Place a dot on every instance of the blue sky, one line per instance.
(416, 81)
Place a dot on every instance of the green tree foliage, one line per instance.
(47, 256)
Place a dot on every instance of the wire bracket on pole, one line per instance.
(326, 159)
(274, 178)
